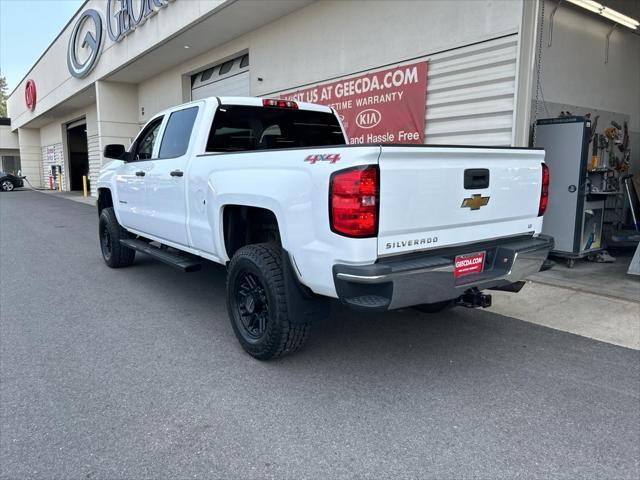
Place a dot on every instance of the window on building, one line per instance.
(237, 128)
(206, 75)
(226, 67)
(175, 140)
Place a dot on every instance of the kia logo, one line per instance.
(368, 118)
(91, 42)
(30, 94)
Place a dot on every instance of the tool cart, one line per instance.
(574, 215)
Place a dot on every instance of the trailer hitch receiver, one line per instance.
(474, 298)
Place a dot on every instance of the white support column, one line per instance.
(526, 72)
(31, 156)
(117, 118)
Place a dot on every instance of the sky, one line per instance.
(27, 28)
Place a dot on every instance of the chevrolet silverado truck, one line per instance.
(272, 189)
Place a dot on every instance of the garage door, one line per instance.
(230, 78)
(471, 94)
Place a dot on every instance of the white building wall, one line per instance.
(336, 38)
(117, 122)
(31, 155)
(8, 139)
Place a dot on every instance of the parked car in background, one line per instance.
(9, 182)
(272, 189)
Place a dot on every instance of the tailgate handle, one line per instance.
(476, 178)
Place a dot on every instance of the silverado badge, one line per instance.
(474, 202)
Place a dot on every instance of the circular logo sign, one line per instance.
(30, 94)
(90, 44)
(368, 118)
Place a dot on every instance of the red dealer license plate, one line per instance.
(470, 263)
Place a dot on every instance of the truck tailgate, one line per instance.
(422, 195)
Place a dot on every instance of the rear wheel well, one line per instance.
(104, 199)
(245, 225)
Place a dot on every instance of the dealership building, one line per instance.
(118, 62)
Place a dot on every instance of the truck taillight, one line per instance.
(544, 192)
(353, 201)
(273, 102)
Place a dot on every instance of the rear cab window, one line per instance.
(245, 128)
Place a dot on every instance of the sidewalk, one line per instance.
(603, 318)
(594, 300)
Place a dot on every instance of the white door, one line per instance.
(167, 178)
(131, 181)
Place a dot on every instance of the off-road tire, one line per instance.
(280, 336)
(435, 307)
(110, 233)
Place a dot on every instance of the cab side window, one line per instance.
(175, 139)
(147, 140)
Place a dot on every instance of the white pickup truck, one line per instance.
(273, 190)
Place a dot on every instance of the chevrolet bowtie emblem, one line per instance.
(474, 202)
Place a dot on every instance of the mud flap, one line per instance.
(304, 305)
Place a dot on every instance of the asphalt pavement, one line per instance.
(135, 373)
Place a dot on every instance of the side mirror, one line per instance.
(116, 151)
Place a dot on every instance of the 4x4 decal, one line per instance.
(323, 157)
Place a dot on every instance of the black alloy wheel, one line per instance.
(105, 241)
(252, 305)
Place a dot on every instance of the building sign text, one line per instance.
(387, 106)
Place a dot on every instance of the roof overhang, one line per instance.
(140, 55)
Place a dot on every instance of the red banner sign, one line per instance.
(387, 106)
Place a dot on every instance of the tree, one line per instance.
(3, 96)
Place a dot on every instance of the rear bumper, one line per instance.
(428, 277)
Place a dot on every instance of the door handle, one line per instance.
(177, 173)
(140, 173)
(476, 178)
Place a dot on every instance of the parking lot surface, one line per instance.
(136, 373)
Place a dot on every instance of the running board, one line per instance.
(173, 258)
